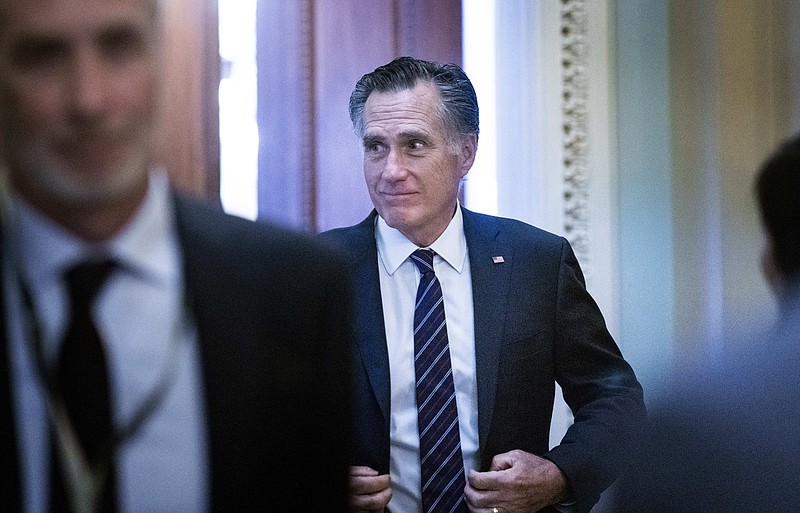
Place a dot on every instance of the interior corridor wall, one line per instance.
(705, 91)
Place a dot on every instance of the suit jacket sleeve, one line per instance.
(599, 386)
(273, 315)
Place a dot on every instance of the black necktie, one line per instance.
(81, 380)
(441, 462)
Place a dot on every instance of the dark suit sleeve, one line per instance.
(273, 315)
(332, 399)
(598, 385)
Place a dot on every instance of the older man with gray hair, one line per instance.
(464, 324)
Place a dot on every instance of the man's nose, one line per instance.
(89, 85)
(395, 167)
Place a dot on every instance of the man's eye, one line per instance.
(416, 144)
(122, 43)
(373, 147)
(38, 55)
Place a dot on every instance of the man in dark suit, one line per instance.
(155, 354)
(518, 320)
(726, 438)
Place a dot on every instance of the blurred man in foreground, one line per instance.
(155, 354)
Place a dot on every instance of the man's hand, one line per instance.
(369, 491)
(516, 482)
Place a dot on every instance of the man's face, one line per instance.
(78, 92)
(412, 169)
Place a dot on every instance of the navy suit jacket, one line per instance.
(272, 311)
(535, 324)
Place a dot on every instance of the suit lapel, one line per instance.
(201, 296)
(490, 285)
(369, 325)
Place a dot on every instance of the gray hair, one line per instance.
(459, 104)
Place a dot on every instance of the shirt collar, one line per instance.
(149, 243)
(394, 248)
(145, 245)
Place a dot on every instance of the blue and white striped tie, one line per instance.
(442, 465)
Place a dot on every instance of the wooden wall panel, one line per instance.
(311, 53)
(430, 30)
(353, 37)
(352, 40)
(190, 125)
(285, 111)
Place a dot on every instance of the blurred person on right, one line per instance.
(729, 439)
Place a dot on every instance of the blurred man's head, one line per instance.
(778, 192)
(78, 95)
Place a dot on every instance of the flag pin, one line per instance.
(498, 259)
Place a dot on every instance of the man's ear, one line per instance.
(468, 147)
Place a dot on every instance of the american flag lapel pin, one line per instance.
(498, 259)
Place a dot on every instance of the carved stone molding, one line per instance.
(575, 127)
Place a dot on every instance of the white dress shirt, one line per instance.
(143, 320)
(399, 278)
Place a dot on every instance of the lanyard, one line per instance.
(84, 482)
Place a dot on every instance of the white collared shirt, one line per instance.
(399, 278)
(141, 317)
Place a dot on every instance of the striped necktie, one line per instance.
(442, 465)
